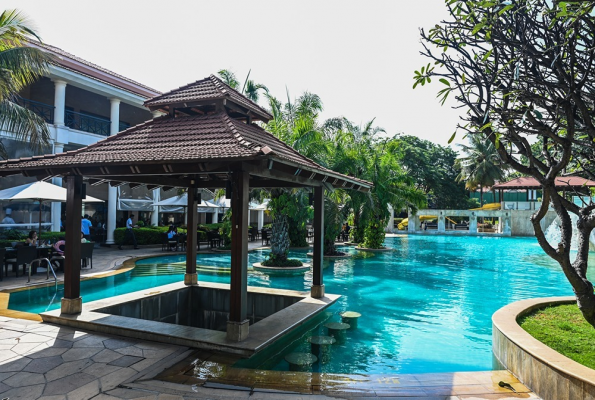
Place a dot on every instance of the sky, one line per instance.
(358, 56)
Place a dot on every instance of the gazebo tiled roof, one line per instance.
(562, 182)
(204, 90)
(181, 147)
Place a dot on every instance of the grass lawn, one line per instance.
(564, 329)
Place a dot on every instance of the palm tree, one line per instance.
(481, 166)
(20, 66)
(250, 89)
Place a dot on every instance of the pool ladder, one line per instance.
(49, 268)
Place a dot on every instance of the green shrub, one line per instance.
(374, 235)
(12, 235)
(210, 227)
(271, 261)
(149, 235)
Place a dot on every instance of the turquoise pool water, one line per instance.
(426, 307)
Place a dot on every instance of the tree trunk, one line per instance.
(575, 272)
(280, 238)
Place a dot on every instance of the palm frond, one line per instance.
(24, 125)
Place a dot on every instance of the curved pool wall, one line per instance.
(426, 306)
(548, 373)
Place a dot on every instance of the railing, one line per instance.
(87, 123)
(45, 111)
(74, 120)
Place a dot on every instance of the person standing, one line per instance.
(86, 225)
(8, 219)
(129, 236)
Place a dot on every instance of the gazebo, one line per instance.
(575, 184)
(207, 139)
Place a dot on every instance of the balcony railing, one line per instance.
(87, 123)
(74, 120)
(45, 111)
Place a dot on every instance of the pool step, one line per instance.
(174, 269)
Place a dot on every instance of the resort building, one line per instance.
(83, 103)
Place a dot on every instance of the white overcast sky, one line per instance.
(358, 56)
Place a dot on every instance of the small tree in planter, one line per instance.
(281, 205)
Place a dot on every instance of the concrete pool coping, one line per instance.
(262, 334)
(548, 373)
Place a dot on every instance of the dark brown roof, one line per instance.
(532, 183)
(204, 138)
(211, 88)
(84, 67)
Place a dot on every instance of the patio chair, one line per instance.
(182, 241)
(87, 254)
(24, 256)
(214, 239)
(266, 240)
(167, 243)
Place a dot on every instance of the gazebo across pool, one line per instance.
(207, 139)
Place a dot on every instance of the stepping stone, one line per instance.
(300, 361)
(350, 317)
(321, 347)
(337, 330)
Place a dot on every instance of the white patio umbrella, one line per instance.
(182, 201)
(39, 192)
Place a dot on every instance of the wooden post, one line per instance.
(72, 302)
(191, 278)
(317, 290)
(237, 326)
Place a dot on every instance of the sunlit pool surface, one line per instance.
(426, 307)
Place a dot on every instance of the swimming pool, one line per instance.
(426, 307)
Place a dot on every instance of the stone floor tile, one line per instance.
(100, 369)
(47, 352)
(7, 355)
(24, 348)
(14, 364)
(67, 369)
(130, 393)
(59, 343)
(5, 346)
(86, 391)
(112, 380)
(130, 351)
(142, 365)
(106, 356)
(44, 364)
(158, 354)
(163, 396)
(72, 336)
(125, 361)
(33, 338)
(4, 388)
(21, 379)
(94, 340)
(67, 384)
(5, 375)
(118, 343)
(24, 393)
(80, 353)
(57, 397)
(6, 334)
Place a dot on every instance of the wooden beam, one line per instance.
(72, 252)
(191, 277)
(317, 282)
(239, 247)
